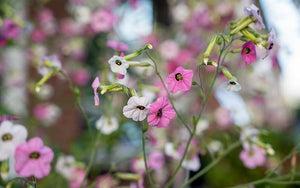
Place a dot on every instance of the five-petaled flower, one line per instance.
(180, 80)
(95, 86)
(136, 108)
(118, 65)
(161, 112)
(249, 52)
(33, 158)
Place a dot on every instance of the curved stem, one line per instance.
(169, 94)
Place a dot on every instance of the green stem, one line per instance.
(169, 95)
(35, 182)
(43, 80)
(213, 163)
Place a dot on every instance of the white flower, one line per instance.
(136, 108)
(82, 14)
(48, 63)
(118, 64)
(202, 125)
(65, 165)
(248, 136)
(232, 85)
(171, 151)
(192, 164)
(10, 137)
(215, 146)
(107, 125)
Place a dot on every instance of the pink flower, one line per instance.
(180, 80)
(45, 16)
(38, 36)
(223, 118)
(161, 113)
(77, 177)
(105, 181)
(156, 160)
(80, 77)
(3, 41)
(169, 49)
(33, 158)
(118, 46)
(253, 157)
(102, 21)
(10, 29)
(249, 52)
(138, 165)
(95, 86)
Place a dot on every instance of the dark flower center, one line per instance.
(118, 62)
(178, 76)
(34, 155)
(246, 50)
(141, 107)
(159, 113)
(232, 83)
(7, 137)
(271, 46)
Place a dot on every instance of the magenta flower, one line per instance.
(10, 29)
(270, 42)
(102, 20)
(33, 158)
(156, 160)
(3, 40)
(95, 86)
(118, 46)
(161, 112)
(180, 80)
(249, 52)
(253, 157)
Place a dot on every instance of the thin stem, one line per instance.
(145, 158)
(35, 182)
(213, 163)
(200, 79)
(169, 94)
(92, 158)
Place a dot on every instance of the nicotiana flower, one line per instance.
(180, 80)
(192, 164)
(10, 137)
(249, 52)
(136, 108)
(118, 46)
(171, 151)
(102, 20)
(270, 42)
(169, 49)
(95, 86)
(65, 165)
(76, 178)
(48, 63)
(118, 65)
(254, 11)
(10, 30)
(156, 160)
(161, 112)
(107, 125)
(105, 181)
(33, 158)
(232, 85)
(253, 157)
(248, 136)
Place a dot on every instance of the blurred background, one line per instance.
(179, 31)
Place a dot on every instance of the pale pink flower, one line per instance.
(118, 46)
(102, 20)
(80, 77)
(156, 160)
(46, 112)
(33, 158)
(95, 86)
(249, 52)
(253, 157)
(9, 29)
(138, 165)
(38, 36)
(169, 49)
(161, 112)
(223, 118)
(180, 80)
(105, 181)
(77, 177)
(45, 16)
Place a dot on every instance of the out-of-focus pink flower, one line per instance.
(223, 118)
(10, 30)
(46, 112)
(180, 80)
(182, 57)
(38, 36)
(249, 52)
(105, 181)
(33, 158)
(118, 46)
(169, 49)
(156, 160)
(102, 20)
(80, 77)
(152, 39)
(138, 165)
(3, 41)
(68, 27)
(253, 157)
(77, 177)
(152, 139)
(95, 86)
(161, 112)
(45, 16)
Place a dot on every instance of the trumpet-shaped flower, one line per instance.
(48, 63)
(107, 125)
(95, 86)
(118, 65)
(10, 137)
(249, 52)
(161, 112)
(33, 158)
(254, 11)
(136, 108)
(253, 157)
(232, 85)
(180, 80)
(270, 42)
